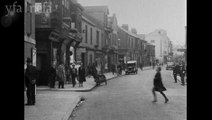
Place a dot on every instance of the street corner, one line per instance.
(52, 106)
(72, 108)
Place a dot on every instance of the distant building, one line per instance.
(150, 54)
(58, 34)
(128, 49)
(113, 39)
(90, 49)
(134, 47)
(161, 41)
(100, 13)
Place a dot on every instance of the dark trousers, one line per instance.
(113, 71)
(182, 79)
(120, 71)
(52, 83)
(73, 80)
(61, 84)
(175, 77)
(30, 94)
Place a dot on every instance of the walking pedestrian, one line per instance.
(30, 81)
(61, 75)
(175, 72)
(158, 86)
(89, 70)
(68, 74)
(94, 72)
(52, 76)
(113, 68)
(141, 66)
(119, 69)
(73, 75)
(81, 75)
(153, 65)
(182, 74)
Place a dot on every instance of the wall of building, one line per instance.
(123, 39)
(155, 40)
(93, 46)
(28, 49)
(29, 29)
(161, 42)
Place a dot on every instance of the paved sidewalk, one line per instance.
(58, 105)
(52, 106)
(87, 86)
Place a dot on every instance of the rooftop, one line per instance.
(97, 8)
(93, 20)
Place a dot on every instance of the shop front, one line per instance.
(99, 61)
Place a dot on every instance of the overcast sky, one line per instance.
(148, 15)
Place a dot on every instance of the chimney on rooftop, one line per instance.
(133, 30)
(125, 26)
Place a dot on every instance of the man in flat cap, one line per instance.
(30, 81)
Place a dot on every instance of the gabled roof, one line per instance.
(112, 20)
(97, 8)
(130, 33)
(88, 20)
(93, 20)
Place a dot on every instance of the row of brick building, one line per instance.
(64, 31)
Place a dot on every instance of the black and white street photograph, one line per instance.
(104, 59)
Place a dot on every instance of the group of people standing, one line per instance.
(179, 69)
(62, 74)
(58, 73)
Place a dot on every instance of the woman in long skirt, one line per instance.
(158, 86)
(81, 75)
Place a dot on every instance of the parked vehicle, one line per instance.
(131, 67)
(170, 66)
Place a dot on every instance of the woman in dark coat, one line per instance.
(81, 75)
(52, 76)
(158, 85)
(73, 75)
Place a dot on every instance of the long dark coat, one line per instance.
(52, 74)
(31, 75)
(81, 74)
(176, 70)
(158, 85)
(183, 71)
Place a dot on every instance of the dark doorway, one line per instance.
(42, 65)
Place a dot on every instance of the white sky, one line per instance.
(149, 15)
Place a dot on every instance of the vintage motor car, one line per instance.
(131, 67)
